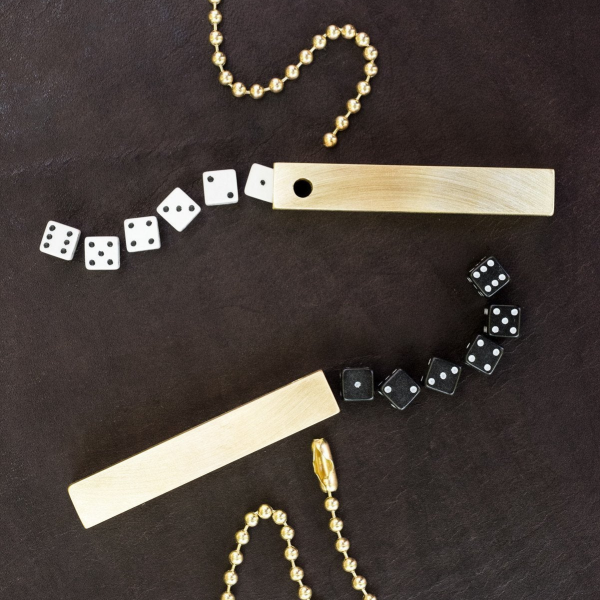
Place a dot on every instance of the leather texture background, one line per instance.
(106, 106)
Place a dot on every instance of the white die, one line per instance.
(102, 253)
(260, 183)
(142, 234)
(178, 209)
(60, 240)
(220, 187)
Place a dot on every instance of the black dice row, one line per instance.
(442, 376)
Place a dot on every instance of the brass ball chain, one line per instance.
(325, 471)
(292, 72)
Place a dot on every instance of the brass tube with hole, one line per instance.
(396, 188)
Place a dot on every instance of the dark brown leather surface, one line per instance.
(105, 107)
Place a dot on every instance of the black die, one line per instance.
(483, 354)
(503, 321)
(399, 389)
(442, 376)
(488, 277)
(357, 384)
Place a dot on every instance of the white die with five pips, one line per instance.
(102, 253)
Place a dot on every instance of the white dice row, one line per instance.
(103, 253)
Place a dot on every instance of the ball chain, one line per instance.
(276, 85)
(291, 553)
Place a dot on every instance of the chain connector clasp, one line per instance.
(323, 466)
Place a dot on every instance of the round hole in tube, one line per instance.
(303, 188)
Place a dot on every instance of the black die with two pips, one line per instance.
(400, 389)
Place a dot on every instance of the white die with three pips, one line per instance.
(178, 209)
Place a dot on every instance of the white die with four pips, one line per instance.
(142, 234)
(260, 183)
(178, 209)
(220, 187)
(102, 253)
(60, 240)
